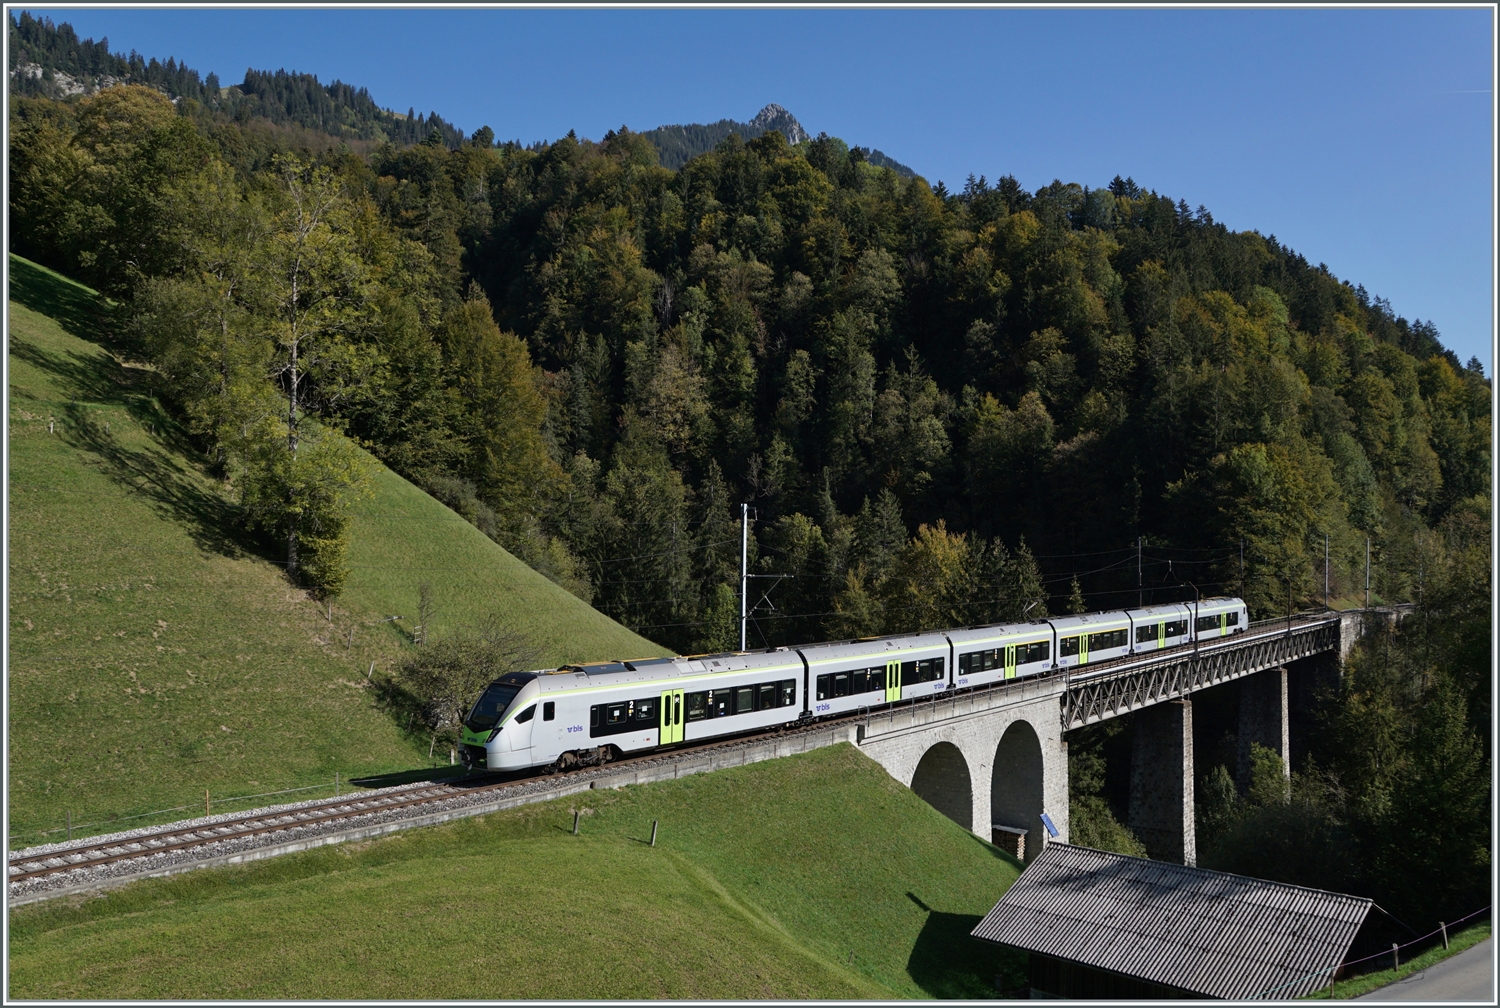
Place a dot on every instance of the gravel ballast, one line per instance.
(86, 876)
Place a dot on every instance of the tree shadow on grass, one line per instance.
(447, 775)
(86, 377)
(950, 964)
(176, 490)
(103, 394)
(80, 312)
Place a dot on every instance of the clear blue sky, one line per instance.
(1361, 138)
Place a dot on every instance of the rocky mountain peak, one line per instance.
(774, 117)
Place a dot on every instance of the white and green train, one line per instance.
(587, 714)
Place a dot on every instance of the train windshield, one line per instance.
(490, 706)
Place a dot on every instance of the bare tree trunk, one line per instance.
(293, 388)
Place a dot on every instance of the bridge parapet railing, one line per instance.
(1110, 694)
(954, 704)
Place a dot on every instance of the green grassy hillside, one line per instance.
(154, 651)
(402, 537)
(813, 876)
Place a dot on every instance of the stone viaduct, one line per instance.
(999, 757)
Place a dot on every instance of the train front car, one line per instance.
(849, 676)
(991, 654)
(1090, 637)
(503, 710)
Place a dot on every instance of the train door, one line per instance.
(520, 729)
(892, 681)
(1161, 635)
(1010, 661)
(1083, 649)
(671, 717)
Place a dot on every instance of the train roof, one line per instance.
(995, 631)
(1111, 618)
(875, 646)
(658, 669)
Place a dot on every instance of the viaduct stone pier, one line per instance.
(996, 759)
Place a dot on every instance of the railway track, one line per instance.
(90, 854)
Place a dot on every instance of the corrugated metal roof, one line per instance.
(1212, 933)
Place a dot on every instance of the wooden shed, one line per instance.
(1099, 925)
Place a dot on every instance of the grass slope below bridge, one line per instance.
(815, 876)
(154, 651)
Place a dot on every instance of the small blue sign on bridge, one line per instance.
(1047, 822)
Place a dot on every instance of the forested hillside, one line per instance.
(677, 145)
(944, 407)
(919, 391)
(50, 61)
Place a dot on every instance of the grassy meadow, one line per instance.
(155, 650)
(1364, 983)
(402, 537)
(814, 876)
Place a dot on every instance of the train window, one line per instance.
(549, 710)
(825, 686)
(489, 707)
(1106, 639)
(1176, 628)
(744, 699)
(788, 692)
(526, 715)
(613, 718)
(841, 684)
(1034, 652)
(718, 702)
(1208, 623)
(765, 696)
(973, 662)
(925, 670)
(1067, 647)
(1234, 619)
(1145, 634)
(697, 706)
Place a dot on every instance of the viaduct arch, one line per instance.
(978, 762)
(942, 780)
